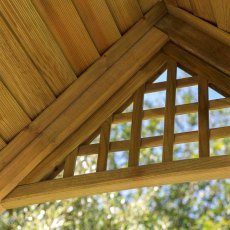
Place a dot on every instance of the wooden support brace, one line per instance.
(170, 110)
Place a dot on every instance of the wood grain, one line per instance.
(215, 77)
(203, 9)
(104, 145)
(135, 139)
(180, 109)
(2, 143)
(20, 76)
(196, 42)
(13, 118)
(146, 5)
(70, 32)
(67, 122)
(169, 121)
(142, 176)
(221, 11)
(203, 117)
(97, 119)
(200, 24)
(125, 12)
(79, 86)
(99, 23)
(39, 44)
(70, 162)
(157, 141)
(184, 4)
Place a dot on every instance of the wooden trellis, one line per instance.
(168, 171)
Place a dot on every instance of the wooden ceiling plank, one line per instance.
(68, 122)
(171, 2)
(38, 42)
(146, 5)
(221, 11)
(184, 4)
(99, 23)
(79, 86)
(20, 76)
(196, 42)
(13, 118)
(215, 77)
(59, 154)
(200, 24)
(203, 9)
(70, 32)
(141, 176)
(125, 12)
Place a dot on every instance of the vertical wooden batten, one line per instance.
(104, 145)
(69, 165)
(203, 117)
(168, 141)
(135, 141)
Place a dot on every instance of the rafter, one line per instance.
(200, 44)
(133, 177)
(67, 122)
(187, 60)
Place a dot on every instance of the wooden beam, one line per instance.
(2, 143)
(200, 24)
(134, 177)
(170, 110)
(214, 76)
(68, 122)
(135, 139)
(180, 109)
(97, 119)
(79, 86)
(104, 145)
(198, 43)
(203, 117)
(151, 142)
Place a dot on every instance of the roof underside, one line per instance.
(57, 57)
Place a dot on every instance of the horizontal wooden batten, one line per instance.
(151, 142)
(78, 87)
(141, 176)
(112, 105)
(180, 109)
(180, 83)
(198, 43)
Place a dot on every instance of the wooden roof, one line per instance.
(67, 66)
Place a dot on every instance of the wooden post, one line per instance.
(70, 164)
(170, 112)
(203, 113)
(135, 141)
(104, 145)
